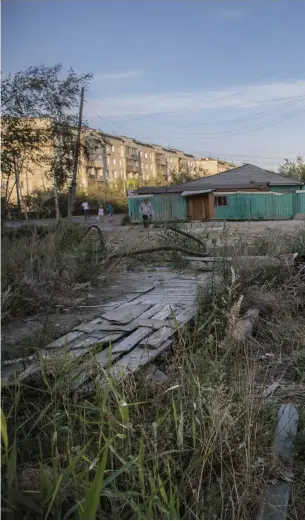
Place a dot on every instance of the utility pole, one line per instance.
(72, 190)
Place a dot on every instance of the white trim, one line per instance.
(300, 191)
(144, 196)
(185, 194)
(248, 193)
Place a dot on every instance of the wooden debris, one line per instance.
(277, 495)
(156, 376)
(244, 326)
(64, 340)
(132, 340)
(125, 314)
(157, 338)
(268, 393)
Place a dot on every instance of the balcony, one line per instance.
(132, 168)
(132, 153)
(161, 159)
(96, 160)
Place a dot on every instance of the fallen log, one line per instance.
(186, 234)
(158, 248)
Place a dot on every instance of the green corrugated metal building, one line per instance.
(246, 192)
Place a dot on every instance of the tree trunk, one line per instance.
(17, 187)
(56, 202)
(24, 206)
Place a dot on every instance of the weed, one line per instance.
(41, 261)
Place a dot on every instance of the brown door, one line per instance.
(198, 207)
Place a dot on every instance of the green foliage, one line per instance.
(185, 177)
(39, 120)
(295, 169)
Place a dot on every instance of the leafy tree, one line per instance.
(39, 124)
(184, 177)
(294, 169)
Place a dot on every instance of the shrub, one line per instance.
(43, 261)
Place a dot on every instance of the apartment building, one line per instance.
(123, 158)
(166, 160)
(187, 162)
(213, 166)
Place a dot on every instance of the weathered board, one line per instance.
(138, 316)
(125, 314)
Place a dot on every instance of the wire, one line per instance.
(297, 77)
(235, 120)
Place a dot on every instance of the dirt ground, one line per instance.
(135, 236)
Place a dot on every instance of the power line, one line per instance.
(297, 77)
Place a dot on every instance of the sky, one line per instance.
(215, 78)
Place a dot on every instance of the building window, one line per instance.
(113, 148)
(145, 155)
(114, 174)
(141, 154)
(113, 161)
(108, 160)
(220, 200)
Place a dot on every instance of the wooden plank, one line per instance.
(65, 340)
(154, 324)
(132, 340)
(109, 336)
(138, 357)
(152, 311)
(125, 314)
(92, 340)
(157, 338)
(167, 310)
(105, 326)
(209, 259)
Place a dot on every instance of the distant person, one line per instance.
(110, 213)
(147, 212)
(100, 213)
(86, 209)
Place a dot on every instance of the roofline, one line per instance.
(296, 182)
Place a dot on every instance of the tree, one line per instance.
(39, 124)
(185, 177)
(295, 169)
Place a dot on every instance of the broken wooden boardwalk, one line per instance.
(139, 322)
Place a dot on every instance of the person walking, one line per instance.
(100, 213)
(110, 213)
(147, 212)
(86, 209)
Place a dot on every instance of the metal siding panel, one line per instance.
(299, 203)
(256, 206)
(166, 207)
(286, 188)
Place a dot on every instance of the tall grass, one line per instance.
(38, 263)
(196, 447)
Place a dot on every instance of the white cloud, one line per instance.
(117, 75)
(231, 13)
(238, 97)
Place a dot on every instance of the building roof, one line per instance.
(243, 177)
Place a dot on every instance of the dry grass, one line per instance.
(41, 263)
(196, 447)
